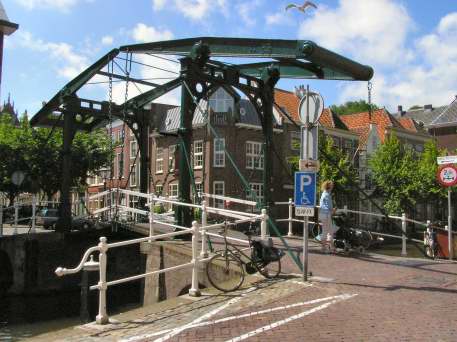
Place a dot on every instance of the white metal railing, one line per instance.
(16, 219)
(198, 231)
(345, 210)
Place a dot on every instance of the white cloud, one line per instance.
(107, 40)
(192, 9)
(158, 4)
(69, 62)
(427, 79)
(371, 30)
(278, 18)
(247, 12)
(143, 33)
(62, 5)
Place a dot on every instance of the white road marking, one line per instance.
(291, 318)
(204, 317)
(230, 318)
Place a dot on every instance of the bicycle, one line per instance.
(225, 269)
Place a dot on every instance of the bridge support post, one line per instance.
(194, 291)
(204, 252)
(102, 317)
(34, 203)
(1, 220)
(290, 233)
(264, 224)
(16, 217)
(403, 235)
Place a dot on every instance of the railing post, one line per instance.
(290, 233)
(16, 217)
(1, 220)
(194, 291)
(263, 224)
(345, 210)
(403, 236)
(204, 252)
(151, 216)
(33, 212)
(102, 317)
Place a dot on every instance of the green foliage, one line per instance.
(352, 107)
(330, 167)
(159, 209)
(39, 154)
(395, 174)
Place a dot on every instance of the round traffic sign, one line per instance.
(316, 107)
(18, 177)
(447, 175)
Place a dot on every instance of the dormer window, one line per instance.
(221, 101)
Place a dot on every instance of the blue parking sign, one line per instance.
(305, 189)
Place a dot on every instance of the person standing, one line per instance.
(325, 216)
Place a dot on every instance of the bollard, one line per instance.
(403, 236)
(263, 224)
(290, 217)
(33, 213)
(204, 252)
(16, 217)
(89, 268)
(1, 220)
(194, 291)
(102, 317)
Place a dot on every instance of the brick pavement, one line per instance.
(393, 299)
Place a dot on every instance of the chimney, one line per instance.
(400, 110)
(428, 107)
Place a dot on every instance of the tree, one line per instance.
(335, 166)
(394, 172)
(38, 152)
(352, 107)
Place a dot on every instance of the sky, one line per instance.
(411, 44)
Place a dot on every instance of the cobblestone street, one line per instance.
(360, 298)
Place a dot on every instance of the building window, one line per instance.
(254, 155)
(171, 158)
(133, 175)
(219, 152)
(257, 190)
(120, 165)
(173, 190)
(159, 160)
(133, 149)
(159, 189)
(221, 101)
(295, 141)
(198, 189)
(198, 154)
(219, 189)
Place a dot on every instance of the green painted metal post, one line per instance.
(64, 222)
(184, 214)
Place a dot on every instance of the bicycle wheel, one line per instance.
(269, 269)
(225, 272)
(366, 238)
(316, 230)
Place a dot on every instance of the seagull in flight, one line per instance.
(303, 7)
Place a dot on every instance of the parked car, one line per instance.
(48, 219)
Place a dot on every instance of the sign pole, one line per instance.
(449, 224)
(305, 221)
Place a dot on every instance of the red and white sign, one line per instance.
(447, 175)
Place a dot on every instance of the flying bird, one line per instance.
(303, 7)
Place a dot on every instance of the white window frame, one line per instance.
(221, 101)
(199, 187)
(171, 158)
(173, 190)
(133, 154)
(120, 168)
(217, 202)
(258, 189)
(219, 153)
(133, 175)
(159, 187)
(159, 161)
(293, 137)
(254, 160)
(198, 154)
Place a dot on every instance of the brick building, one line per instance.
(440, 122)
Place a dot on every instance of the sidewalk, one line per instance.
(368, 298)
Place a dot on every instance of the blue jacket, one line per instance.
(326, 205)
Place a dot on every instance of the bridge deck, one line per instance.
(369, 298)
